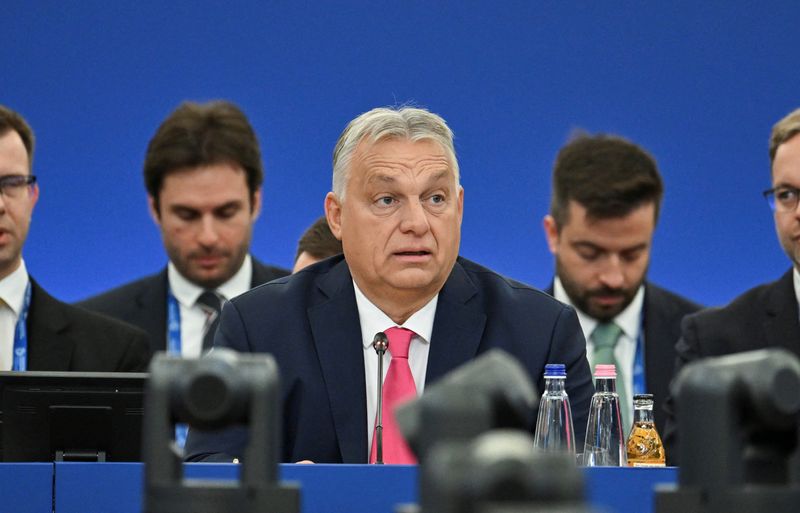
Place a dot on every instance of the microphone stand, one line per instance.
(381, 344)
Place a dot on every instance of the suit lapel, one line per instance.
(49, 347)
(458, 326)
(658, 332)
(336, 329)
(782, 327)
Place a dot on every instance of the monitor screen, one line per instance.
(71, 416)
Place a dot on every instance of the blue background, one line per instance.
(699, 84)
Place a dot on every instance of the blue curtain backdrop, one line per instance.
(699, 84)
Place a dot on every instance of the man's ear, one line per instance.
(551, 233)
(460, 205)
(34, 195)
(333, 213)
(154, 213)
(256, 207)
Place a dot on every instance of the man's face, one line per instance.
(206, 219)
(400, 221)
(602, 262)
(786, 171)
(16, 206)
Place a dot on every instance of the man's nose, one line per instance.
(208, 235)
(611, 275)
(415, 218)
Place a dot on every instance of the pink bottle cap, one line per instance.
(605, 371)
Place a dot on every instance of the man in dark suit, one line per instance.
(767, 315)
(203, 174)
(38, 332)
(397, 207)
(606, 197)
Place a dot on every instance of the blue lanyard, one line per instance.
(639, 385)
(173, 324)
(174, 348)
(21, 335)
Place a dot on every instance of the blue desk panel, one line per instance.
(117, 487)
(26, 487)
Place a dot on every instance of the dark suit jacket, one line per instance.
(663, 312)
(309, 322)
(765, 316)
(62, 337)
(143, 303)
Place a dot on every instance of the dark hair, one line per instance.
(10, 120)
(606, 174)
(201, 134)
(318, 241)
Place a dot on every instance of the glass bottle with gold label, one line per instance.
(644, 446)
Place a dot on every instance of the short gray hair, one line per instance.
(783, 130)
(411, 123)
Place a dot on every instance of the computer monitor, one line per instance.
(71, 416)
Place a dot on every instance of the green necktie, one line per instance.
(605, 337)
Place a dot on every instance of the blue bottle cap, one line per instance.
(555, 370)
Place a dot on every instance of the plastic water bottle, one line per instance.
(554, 430)
(605, 443)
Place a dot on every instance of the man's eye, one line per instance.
(385, 201)
(786, 195)
(631, 256)
(437, 198)
(12, 181)
(227, 213)
(186, 215)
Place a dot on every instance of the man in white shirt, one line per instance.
(203, 175)
(605, 203)
(38, 332)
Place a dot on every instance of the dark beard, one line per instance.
(581, 298)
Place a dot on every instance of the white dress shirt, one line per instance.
(796, 276)
(193, 317)
(12, 292)
(629, 320)
(374, 320)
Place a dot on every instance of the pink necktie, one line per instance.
(398, 386)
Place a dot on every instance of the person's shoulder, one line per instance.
(495, 284)
(82, 319)
(123, 294)
(263, 273)
(662, 297)
(744, 305)
(292, 286)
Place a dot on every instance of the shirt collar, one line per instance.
(796, 276)
(187, 292)
(12, 288)
(629, 319)
(374, 320)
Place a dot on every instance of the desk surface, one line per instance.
(27, 487)
(117, 487)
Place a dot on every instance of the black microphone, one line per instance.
(381, 343)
